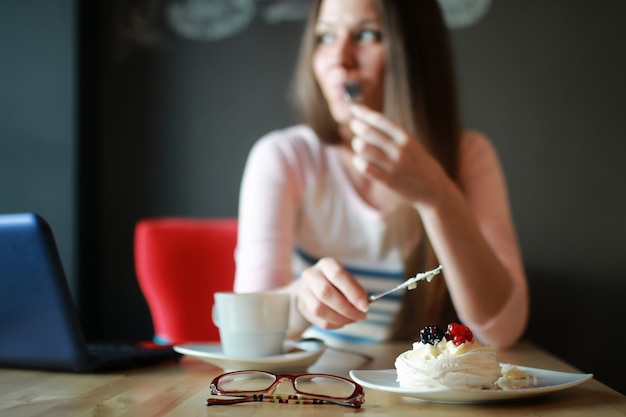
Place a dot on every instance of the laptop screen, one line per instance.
(38, 321)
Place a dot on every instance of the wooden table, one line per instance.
(180, 390)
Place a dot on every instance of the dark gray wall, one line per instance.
(175, 124)
(545, 80)
(38, 115)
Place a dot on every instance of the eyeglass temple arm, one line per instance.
(227, 401)
(275, 399)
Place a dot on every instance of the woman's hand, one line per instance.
(328, 296)
(387, 153)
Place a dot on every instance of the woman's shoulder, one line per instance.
(294, 144)
(478, 157)
(472, 140)
(476, 146)
(297, 137)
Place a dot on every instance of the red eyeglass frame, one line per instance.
(355, 399)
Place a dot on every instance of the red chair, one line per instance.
(180, 263)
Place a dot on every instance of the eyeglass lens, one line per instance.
(327, 386)
(245, 381)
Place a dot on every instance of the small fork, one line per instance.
(353, 91)
(410, 283)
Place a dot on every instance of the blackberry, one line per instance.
(431, 334)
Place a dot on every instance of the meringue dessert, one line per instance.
(453, 359)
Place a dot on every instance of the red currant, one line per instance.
(458, 333)
(469, 336)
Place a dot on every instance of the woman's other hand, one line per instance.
(387, 153)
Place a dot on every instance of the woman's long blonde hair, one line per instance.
(421, 96)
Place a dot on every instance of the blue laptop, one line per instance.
(39, 325)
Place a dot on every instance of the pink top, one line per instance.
(298, 205)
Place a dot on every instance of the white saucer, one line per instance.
(305, 354)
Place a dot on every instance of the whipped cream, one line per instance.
(514, 378)
(468, 365)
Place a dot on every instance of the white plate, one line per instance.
(299, 356)
(546, 382)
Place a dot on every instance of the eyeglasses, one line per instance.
(250, 386)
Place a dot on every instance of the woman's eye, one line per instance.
(325, 38)
(369, 35)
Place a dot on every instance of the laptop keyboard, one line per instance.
(113, 356)
(113, 349)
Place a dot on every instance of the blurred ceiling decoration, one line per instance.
(210, 20)
(213, 20)
(277, 11)
(463, 13)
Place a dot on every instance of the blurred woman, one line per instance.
(364, 194)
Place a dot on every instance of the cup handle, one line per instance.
(215, 316)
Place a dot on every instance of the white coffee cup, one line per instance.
(251, 325)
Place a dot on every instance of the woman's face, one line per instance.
(349, 48)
